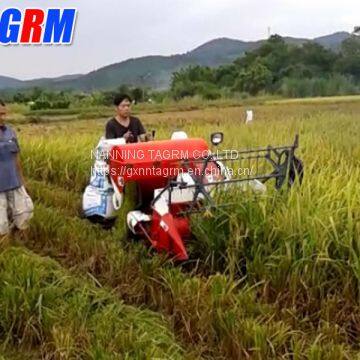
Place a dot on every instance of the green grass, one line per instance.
(316, 100)
(276, 276)
(43, 305)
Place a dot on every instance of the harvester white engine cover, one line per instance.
(99, 198)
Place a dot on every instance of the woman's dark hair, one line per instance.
(2, 103)
(120, 98)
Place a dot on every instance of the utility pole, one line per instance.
(143, 78)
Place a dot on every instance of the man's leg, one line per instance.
(4, 220)
(21, 207)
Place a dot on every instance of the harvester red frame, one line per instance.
(167, 200)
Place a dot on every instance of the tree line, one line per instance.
(39, 98)
(277, 67)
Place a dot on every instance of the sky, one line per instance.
(110, 31)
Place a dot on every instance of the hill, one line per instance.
(155, 71)
(8, 82)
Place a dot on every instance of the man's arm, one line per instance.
(110, 131)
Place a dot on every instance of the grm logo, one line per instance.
(37, 26)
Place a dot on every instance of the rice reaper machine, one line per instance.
(179, 176)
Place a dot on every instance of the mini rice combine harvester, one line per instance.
(179, 176)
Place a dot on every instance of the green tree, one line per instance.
(274, 54)
(184, 88)
(139, 94)
(317, 59)
(349, 61)
(123, 89)
(225, 75)
(36, 93)
(254, 79)
(20, 97)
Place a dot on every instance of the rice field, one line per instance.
(275, 276)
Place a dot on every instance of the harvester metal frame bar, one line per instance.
(279, 157)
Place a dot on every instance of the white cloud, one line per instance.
(109, 31)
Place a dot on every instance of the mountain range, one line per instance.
(155, 71)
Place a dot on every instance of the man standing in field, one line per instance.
(123, 124)
(16, 207)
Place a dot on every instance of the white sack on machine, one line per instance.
(99, 199)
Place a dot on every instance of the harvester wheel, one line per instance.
(296, 171)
